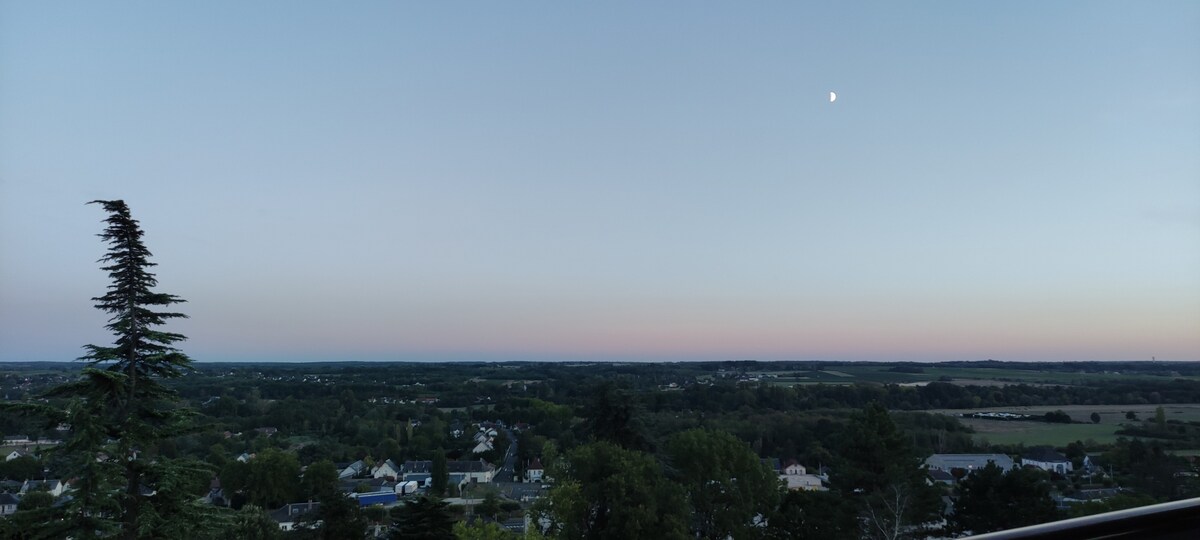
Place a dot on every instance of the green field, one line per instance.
(958, 375)
(1035, 433)
(1038, 433)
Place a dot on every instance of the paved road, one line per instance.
(508, 469)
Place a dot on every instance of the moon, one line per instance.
(832, 97)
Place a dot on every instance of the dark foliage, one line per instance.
(424, 518)
(991, 500)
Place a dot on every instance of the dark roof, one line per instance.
(516, 491)
(417, 467)
(8, 498)
(514, 524)
(468, 466)
(940, 475)
(451, 466)
(290, 512)
(1044, 454)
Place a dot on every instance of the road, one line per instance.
(508, 469)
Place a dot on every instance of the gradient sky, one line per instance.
(622, 181)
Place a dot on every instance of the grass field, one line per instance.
(1035, 433)
(1038, 433)
(958, 375)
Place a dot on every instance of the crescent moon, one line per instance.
(832, 97)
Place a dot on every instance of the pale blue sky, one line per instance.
(625, 181)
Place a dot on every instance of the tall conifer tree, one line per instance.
(119, 409)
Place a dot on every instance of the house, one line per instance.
(16, 439)
(1046, 459)
(245, 457)
(289, 514)
(796, 477)
(535, 471)
(8, 503)
(486, 432)
(416, 467)
(13, 455)
(803, 482)
(216, 496)
(967, 463)
(514, 525)
(353, 470)
(266, 431)
(54, 487)
(477, 471)
(524, 492)
(388, 469)
(794, 468)
(484, 446)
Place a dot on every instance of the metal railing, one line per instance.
(1178, 520)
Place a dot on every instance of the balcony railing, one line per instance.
(1179, 520)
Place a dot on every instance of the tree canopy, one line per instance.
(991, 499)
(610, 492)
(727, 485)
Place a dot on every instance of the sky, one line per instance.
(626, 181)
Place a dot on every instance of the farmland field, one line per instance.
(982, 376)
(1034, 433)
(1039, 433)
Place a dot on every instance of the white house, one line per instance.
(8, 504)
(797, 478)
(388, 469)
(55, 487)
(16, 439)
(245, 457)
(476, 471)
(483, 446)
(1046, 459)
(13, 455)
(486, 434)
(793, 468)
(535, 471)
